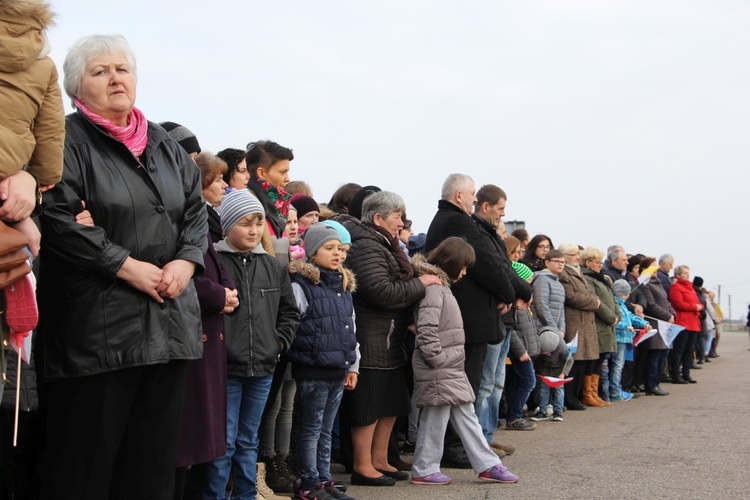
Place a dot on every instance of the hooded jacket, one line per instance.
(262, 327)
(549, 300)
(438, 360)
(325, 346)
(32, 120)
(149, 208)
(608, 314)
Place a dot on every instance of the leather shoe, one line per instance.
(696, 367)
(460, 461)
(638, 388)
(360, 480)
(679, 380)
(396, 474)
(691, 380)
(400, 465)
(657, 391)
(576, 406)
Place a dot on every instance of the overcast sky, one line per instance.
(606, 122)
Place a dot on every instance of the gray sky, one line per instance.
(606, 122)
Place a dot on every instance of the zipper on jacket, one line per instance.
(263, 291)
(388, 337)
(249, 313)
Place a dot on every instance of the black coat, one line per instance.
(150, 209)
(486, 283)
(262, 327)
(383, 302)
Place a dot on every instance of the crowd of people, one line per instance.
(209, 329)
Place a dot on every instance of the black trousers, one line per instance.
(681, 354)
(475, 354)
(114, 435)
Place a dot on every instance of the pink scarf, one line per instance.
(134, 135)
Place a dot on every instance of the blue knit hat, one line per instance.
(237, 204)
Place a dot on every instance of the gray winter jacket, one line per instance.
(524, 337)
(549, 300)
(438, 360)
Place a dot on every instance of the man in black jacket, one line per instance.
(483, 295)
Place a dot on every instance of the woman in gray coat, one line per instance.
(441, 387)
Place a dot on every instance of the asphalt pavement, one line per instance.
(693, 443)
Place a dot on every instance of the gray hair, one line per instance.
(680, 269)
(453, 183)
(612, 255)
(567, 248)
(87, 48)
(666, 258)
(383, 203)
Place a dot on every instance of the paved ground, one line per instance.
(693, 443)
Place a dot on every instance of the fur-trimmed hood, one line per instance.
(22, 38)
(312, 273)
(421, 266)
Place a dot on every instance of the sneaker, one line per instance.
(621, 396)
(519, 424)
(435, 479)
(498, 474)
(550, 410)
(557, 417)
(336, 491)
(319, 493)
(539, 416)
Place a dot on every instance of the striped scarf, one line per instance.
(134, 135)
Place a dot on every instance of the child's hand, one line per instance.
(29, 229)
(231, 301)
(350, 382)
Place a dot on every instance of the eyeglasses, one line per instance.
(557, 261)
(544, 247)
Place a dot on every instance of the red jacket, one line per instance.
(684, 301)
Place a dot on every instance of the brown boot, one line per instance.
(595, 389)
(588, 399)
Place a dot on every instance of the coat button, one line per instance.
(205, 337)
(338, 294)
(163, 260)
(221, 336)
(346, 326)
(160, 209)
(152, 168)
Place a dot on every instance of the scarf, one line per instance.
(405, 271)
(134, 135)
(279, 197)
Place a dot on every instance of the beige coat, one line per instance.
(581, 303)
(32, 120)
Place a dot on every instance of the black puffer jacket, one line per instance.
(150, 209)
(383, 302)
(267, 315)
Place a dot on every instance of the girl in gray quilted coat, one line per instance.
(441, 388)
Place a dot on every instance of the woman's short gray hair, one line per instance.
(568, 248)
(87, 48)
(383, 203)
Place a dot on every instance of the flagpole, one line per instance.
(18, 395)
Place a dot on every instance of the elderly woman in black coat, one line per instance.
(119, 310)
(386, 293)
(656, 307)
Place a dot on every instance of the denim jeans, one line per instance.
(655, 361)
(491, 387)
(518, 391)
(246, 399)
(318, 402)
(616, 362)
(603, 389)
(557, 395)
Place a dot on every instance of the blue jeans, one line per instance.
(246, 399)
(318, 403)
(558, 396)
(491, 387)
(616, 362)
(518, 392)
(603, 389)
